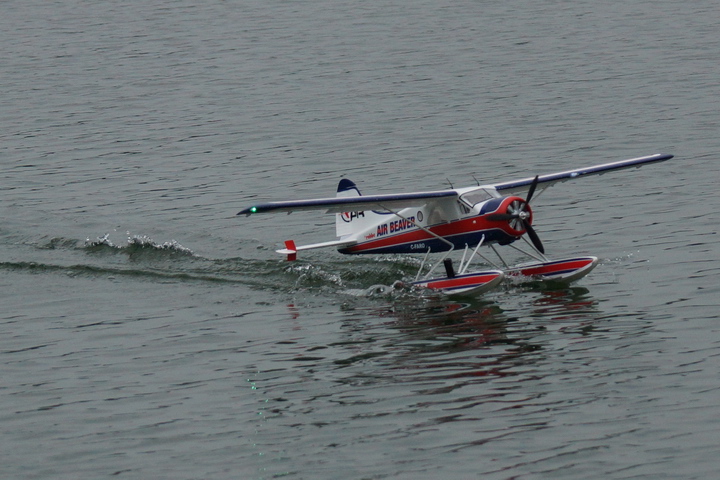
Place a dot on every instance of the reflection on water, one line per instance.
(444, 338)
(411, 367)
(571, 305)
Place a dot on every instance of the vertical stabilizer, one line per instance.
(347, 188)
(344, 221)
(353, 223)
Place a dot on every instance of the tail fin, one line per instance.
(347, 188)
(290, 250)
(349, 223)
(343, 221)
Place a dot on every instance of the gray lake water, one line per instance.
(146, 332)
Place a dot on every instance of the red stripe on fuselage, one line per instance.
(472, 225)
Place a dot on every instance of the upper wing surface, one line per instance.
(348, 204)
(404, 200)
(516, 186)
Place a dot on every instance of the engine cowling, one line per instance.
(515, 212)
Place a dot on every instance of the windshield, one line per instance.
(475, 197)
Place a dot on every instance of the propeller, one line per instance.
(517, 215)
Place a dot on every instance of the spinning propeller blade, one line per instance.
(533, 237)
(530, 230)
(533, 186)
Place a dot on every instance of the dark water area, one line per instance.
(148, 332)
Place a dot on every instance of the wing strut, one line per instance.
(424, 229)
(447, 262)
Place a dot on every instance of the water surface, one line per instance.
(147, 332)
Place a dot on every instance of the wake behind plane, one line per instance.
(446, 221)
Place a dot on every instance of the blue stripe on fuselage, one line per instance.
(436, 245)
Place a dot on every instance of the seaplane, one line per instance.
(447, 221)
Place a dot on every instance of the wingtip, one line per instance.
(247, 211)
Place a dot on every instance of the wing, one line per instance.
(516, 186)
(403, 200)
(350, 204)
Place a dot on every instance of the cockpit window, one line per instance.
(475, 197)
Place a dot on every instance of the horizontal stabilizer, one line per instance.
(290, 250)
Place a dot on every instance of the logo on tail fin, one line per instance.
(348, 216)
(361, 224)
(347, 189)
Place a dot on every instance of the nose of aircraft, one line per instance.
(519, 215)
